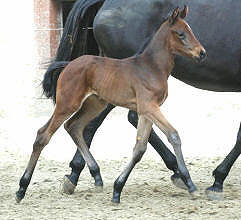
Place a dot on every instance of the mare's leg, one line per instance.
(167, 156)
(214, 192)
(43, 136)
(75, 127)
(78, 163)
(143, 132)
(156, 117)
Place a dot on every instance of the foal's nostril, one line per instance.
(202, 54)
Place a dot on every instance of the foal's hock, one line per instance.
(138, 83)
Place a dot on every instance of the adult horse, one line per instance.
(120, 27)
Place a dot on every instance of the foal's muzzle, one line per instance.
(202, 55)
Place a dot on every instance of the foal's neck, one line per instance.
(158, 52)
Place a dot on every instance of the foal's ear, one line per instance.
(174, 16)
(184, 12)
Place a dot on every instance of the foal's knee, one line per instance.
(174, 138)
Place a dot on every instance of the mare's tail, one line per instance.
(73, 42)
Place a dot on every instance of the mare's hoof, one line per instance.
(177, 181)
(67, 187)
(213, 194)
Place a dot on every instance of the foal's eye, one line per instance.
(181, 36)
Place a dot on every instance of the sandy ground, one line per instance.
(148, 194)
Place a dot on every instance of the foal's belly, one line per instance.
(119, 97)
(116, 90)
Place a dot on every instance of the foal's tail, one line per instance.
(51, 76)
(74, 42)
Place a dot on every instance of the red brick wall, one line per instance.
(46, 28)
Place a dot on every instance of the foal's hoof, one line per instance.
(67, 187)
(195, 194)
(213, 194)
(18, 197)
(177, 181)
(116, 198)
(115, 201)
(18, 200)
(98, 189)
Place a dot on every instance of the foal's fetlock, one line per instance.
(191, 187)
(116, 198)
(186, 178)
(23, 185)
(118, 186)
(98, 181)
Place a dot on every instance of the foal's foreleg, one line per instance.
(78, 163)
(155, 116)
(167, 156)
(143, 132)
(75, 127)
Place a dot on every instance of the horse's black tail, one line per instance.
(73, 42)
(51, 76)
(76, 29)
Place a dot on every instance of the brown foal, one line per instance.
(138, 83)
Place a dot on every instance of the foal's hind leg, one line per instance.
(37, 148)
(43, 136)
(78, 163)
(75, 127)
(143, 132)
(65, 107)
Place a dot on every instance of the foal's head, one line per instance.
(182, 40)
